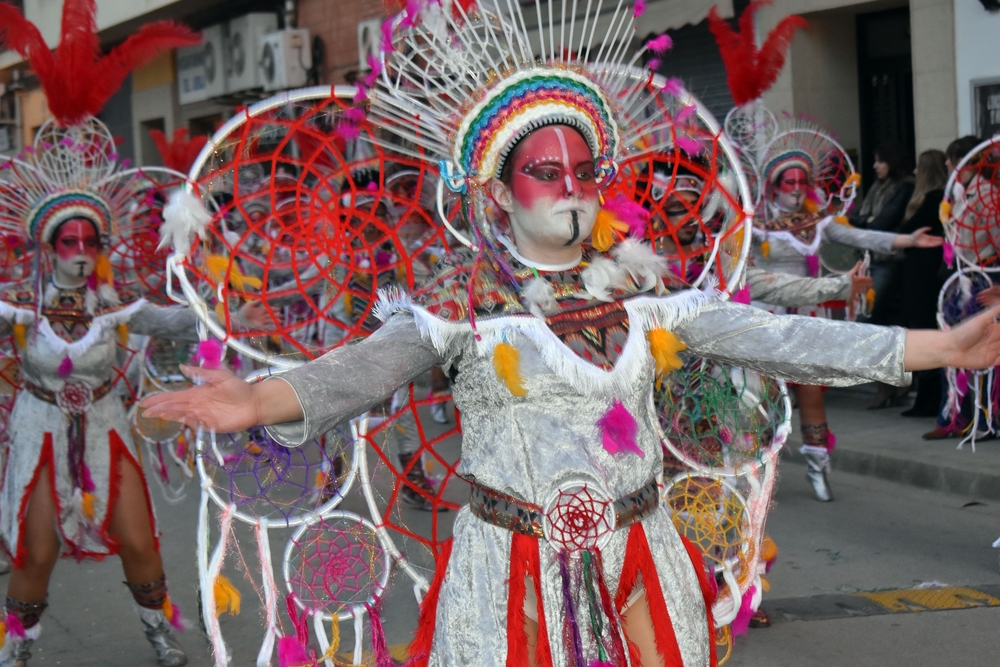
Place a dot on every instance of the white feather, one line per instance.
(602, 276)
(640, 262)
(107, 294)
(51, 294)
(540, 297)
(183, 217)
(90, 302)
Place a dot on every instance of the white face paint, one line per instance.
(553, 200)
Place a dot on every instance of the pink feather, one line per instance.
(87, 483)
(654, 64)
(742, 296)
(177, 619)
(812, 265)
(689, 145)
(674, 86)
(355, 114)
(65, 367)
(685, 113)
(639, 8)
(347, 131)
(741, 623)
(831, 441)
(387, 46)
(660, 45)
(14, 626)
(629, 212)
(618, 430)
(292, 654)
(209, 354)
(949, 254)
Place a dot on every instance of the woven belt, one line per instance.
(53, 397)
(518, 516)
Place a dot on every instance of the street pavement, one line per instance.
(878, 535)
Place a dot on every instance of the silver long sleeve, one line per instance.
(790, 291)
(807, 350)
(349, 380)
(866, 239)
(176, 323)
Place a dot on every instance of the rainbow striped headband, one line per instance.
(59, 207)
(526, 101)
(787, 160)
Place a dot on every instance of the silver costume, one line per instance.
(38, 428)
(529, 447)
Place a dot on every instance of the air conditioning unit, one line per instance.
(369, 41)
(201, 68)
(244, 46)
(286, 58)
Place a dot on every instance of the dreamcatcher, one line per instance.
(722, 429)
(970, 211)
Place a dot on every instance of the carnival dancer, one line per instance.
(806, 184)
(565, 554)
(72, 481)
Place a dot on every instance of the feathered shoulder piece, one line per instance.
(77, 79)
(751, 71)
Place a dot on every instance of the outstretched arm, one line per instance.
(881, 242)
(311, 399)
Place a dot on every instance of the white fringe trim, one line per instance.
(75, 349)
(792, 240)
(644, 313)
(391, 300)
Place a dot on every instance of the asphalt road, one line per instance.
(876, 536)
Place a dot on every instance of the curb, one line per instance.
(980, 484)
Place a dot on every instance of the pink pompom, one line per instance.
(660, 45)
(742, 296)
(629, 212)
(741, 623)
(618, 430)
(292, 654)
(639, 8)
(949, 254)
(654, 64)
(831, 441)
(14, 626)
(65, 367)
(812, 265)
(209, 354)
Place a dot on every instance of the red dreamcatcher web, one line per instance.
(972, 207)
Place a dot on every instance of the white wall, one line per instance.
(977, 54)
(47, 14)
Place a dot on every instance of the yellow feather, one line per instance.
(3, 634)
(810, 206)
(227, 598)
(603, 235)
(768, 549)
(870, 298)
(507, 364)
(944, 212)
(168, 608)
(765, 584)
(765, 249)
(88, 505)
(854, 179)
(103, 270)
(21, 335)
(122, 330)
(842, 220)
(664, 347)
(218, 267)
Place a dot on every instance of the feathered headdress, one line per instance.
(751, 71)
(77, 80)
(179, 152)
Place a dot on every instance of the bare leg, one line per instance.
(812, 411)
(638, 624)
(132, 529)
(815, 439)
(531, 632)
(30, 582)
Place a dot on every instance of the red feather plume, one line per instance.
(77, 80)
(751, 71)
(179, 152)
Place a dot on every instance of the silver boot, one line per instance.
(156, 627)
(817, 465)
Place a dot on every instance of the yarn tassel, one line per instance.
(507, 364)
(664, 346)
(607, 605)
(65, 367)
(742, 296)
(812, 265)
(21, 335)
(209, 354)
(379, 646)
(765, 249)
(227, 598)
(572, 629)
(741, 624)
(618, 430)
(292, 651)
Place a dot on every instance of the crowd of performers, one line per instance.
(565, 244)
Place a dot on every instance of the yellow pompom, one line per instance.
(88, 505)
(227, 598)
(664, 346)
(765, 249)
(507, 364)
(103, 270)
(768, 549)
(870, 298)
(21, 335)
(122, 330)
(944, 212)
(603, 235)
